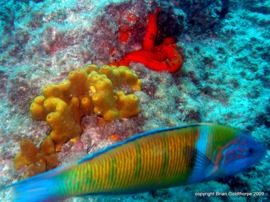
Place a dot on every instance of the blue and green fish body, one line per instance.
(148, 161)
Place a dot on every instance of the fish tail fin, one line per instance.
(43, 187)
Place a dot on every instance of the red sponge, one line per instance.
(163, 57)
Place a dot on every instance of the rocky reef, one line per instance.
(224, 79)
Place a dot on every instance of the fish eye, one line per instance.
(250, 150)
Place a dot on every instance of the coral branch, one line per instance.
(87, 90)
(164, 57)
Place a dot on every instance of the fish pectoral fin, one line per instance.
(199, 157)
(202, 165)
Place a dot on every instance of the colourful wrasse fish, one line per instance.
(148, 161)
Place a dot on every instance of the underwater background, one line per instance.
(224, 78)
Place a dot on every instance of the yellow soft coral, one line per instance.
(108, 101)
(86, 90)
(122, 76)
(102, 94)
(127, 104)
(62, 120)
(37, 109)
(93, 89)
(35, 160)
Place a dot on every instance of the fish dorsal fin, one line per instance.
(132, 138)
(202, 166)
(110, 147)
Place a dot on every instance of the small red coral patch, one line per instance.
(163, 57)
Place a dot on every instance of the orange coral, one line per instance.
(164, 57)
(35, 160)
(87, 90)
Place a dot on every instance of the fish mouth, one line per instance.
(256, 152)
(258, 148)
